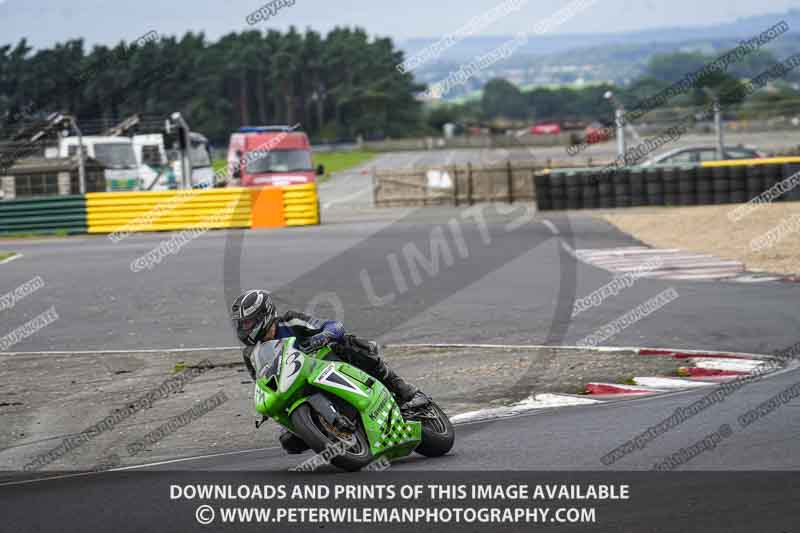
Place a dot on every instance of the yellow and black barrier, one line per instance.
(234, 207)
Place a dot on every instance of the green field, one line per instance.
(6, 255)
(339, 161)
(333, 161)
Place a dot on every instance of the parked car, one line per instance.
(546, 128)
(271, 155)
(595, 133)
(699, 154)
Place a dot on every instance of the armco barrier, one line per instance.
(717, 182)
(54, 214)
(300, 205)
(168, 210)
(129, 212)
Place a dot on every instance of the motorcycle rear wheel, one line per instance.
(438, 433)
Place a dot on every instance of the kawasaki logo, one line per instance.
(374, 413)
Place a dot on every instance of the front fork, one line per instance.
(325, 407)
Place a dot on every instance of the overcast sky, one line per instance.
(44, 22)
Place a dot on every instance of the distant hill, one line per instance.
(551, 44)
(598, 57)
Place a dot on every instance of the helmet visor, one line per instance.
(246, 324)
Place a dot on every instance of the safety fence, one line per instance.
(722, 182)
(506, 181)
(131, 212)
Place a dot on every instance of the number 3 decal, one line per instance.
(291, 369)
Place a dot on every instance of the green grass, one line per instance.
(35, 234)
(340, 161)
(219, 165)
(6, 255)
(333, 161)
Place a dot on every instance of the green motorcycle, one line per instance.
(327, 402)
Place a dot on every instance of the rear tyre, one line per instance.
(438, 434)
(312, 428)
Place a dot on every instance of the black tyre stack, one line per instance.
(605, 190)
(543, 200)
(772, 175)
(721, 184)
(789, 170)
(654, 184)
(558, 190)
(622, 187)
(704, 186)
(754, 181)
(671, 185)
(638, 191)
(738, 177)
(591, 197)
(574, 194)
(687, 185)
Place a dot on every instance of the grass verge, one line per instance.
(6, 255)
(341, 161)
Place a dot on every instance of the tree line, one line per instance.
(502, 101)
(338, 86)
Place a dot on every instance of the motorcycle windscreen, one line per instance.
(266, 358)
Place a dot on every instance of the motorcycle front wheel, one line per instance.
(319, 435)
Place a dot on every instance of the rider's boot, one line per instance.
(408, 396)
(292, 444)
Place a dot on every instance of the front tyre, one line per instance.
(438, 434)
(319, 435)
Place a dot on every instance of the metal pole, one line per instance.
(374, 187)
(455, 185)
(620, 120)
(718, 126)
(469, 184)
(510, 182)
(186, 163)
(81, 166)
(186, 169)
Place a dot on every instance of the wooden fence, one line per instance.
(457, 185)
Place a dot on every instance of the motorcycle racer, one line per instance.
(255, 319)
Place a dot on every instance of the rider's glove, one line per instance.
(319, 340)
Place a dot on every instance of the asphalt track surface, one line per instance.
(505, 292)
(513, 290)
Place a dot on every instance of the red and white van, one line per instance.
(259, 156)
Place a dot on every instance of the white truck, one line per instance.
(161, 169)
(114, 153)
